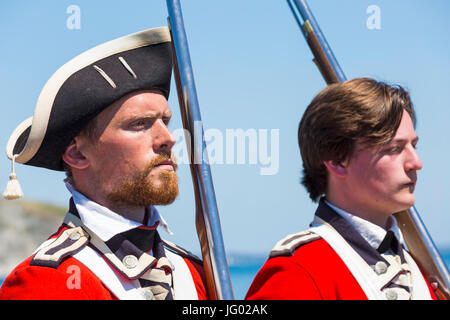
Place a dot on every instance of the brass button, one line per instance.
(74, 236)
(391, 295)
(130, 261)
(381, 267)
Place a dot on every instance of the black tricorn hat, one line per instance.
(85, 86)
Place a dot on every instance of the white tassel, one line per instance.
(13, 189)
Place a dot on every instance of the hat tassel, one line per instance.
(13, 189)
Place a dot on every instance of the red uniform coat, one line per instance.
(27, 282)
(313, 270)
(70, 279)
(305, 276)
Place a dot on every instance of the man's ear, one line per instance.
(336, 168)
(74, 157)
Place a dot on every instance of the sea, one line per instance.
(243, 269)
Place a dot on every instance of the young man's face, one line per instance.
(131, 157)
(383, 180)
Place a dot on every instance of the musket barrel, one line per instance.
(207, 216)
(307, 16)
(321, 60)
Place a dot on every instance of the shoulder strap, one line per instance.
(288, 245)
(180, 251)
(66, 244)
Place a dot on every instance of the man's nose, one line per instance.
(413, 162)
(163, 137)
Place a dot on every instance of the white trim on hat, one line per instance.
(24, 125)
(40, 119)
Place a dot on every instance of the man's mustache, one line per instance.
(159, 158)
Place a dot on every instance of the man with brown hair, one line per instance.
(358, 146)
(103, 117)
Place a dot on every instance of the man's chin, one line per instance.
(147, 191)
(163, 192)
(164, 202)
(406, 202)
(166, 197)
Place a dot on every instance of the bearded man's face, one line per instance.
(130, 152)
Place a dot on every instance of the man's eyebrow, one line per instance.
(149, 114)
(403, 140)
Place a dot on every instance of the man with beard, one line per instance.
(103, 118)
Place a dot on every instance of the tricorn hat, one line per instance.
(83, 87)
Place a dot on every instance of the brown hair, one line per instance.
(359, 110)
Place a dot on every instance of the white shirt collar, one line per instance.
(371, 232)
(106, 223)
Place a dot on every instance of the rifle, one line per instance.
(207, 217)
(417, 238)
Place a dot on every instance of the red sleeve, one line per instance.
(281, 279)
(198, 276)
(70, 281)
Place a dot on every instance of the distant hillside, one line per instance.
(24, 225)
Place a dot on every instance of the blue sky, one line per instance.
(253, 71)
